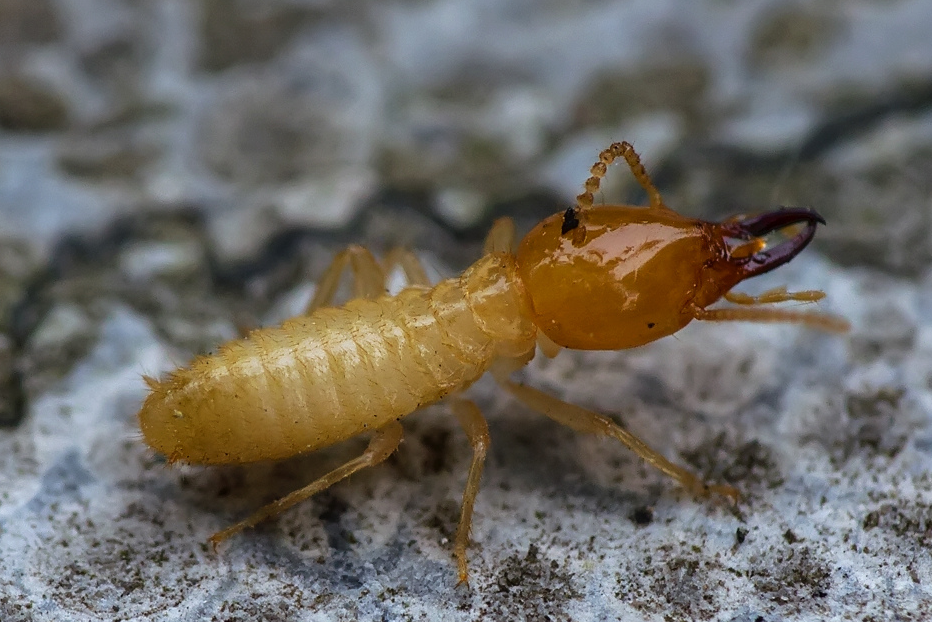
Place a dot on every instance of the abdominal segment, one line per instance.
(310, 383)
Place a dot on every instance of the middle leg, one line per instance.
(477, 430)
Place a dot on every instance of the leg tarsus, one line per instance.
(382, 445)
(477, 430)
(583, 420)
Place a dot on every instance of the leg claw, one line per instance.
(702, 489)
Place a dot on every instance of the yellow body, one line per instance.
(323, 378)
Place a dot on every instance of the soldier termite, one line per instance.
(591, 278)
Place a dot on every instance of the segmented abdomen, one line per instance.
(319, 379)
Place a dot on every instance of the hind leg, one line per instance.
(368, 277)
(382, 445)
(368, 280)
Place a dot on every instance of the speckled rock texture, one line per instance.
(173, 171)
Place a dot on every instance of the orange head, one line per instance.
(617, 277)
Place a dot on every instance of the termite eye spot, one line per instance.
(650, 325)
(570, 221)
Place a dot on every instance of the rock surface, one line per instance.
(172, 171)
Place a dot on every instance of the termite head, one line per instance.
(616, 277)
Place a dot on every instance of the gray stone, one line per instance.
(172, 173)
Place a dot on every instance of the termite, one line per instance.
(590, 278)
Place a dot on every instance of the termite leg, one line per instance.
(368, 277)
(583, 420)
(547, 345)
(624, 150)
(777, 294)
(821, 321)
(477, 430)
(501, 237)
(410, 264)
(382, 445)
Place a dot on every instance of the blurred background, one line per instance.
(172, 169)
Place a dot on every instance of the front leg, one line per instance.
(583, 420)
(383, 444)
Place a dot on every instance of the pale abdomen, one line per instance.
(317, 380)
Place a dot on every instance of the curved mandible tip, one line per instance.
(759, 226)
